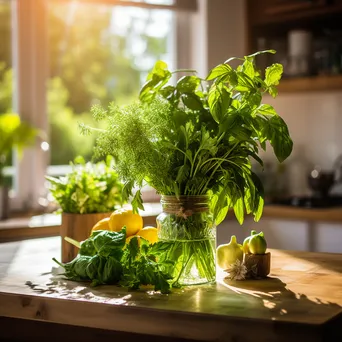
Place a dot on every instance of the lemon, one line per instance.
(101, 225)
(149, 233)
(124, 217)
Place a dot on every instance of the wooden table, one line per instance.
(301, 301)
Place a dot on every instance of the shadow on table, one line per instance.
(279, 301)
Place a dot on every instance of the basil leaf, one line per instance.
(81, 265)
(219, 100)
(107, 241)
(238, 210)
(266, 109)
(188, 84)
(273, 74)
(87, 248)
(277, 133)
(219, 71)
(112, 271)
(192, 101)
(248, 68)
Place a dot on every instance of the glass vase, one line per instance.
(187, 225)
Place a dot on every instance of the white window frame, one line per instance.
(29, 42)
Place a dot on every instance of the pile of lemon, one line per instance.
(133, 223)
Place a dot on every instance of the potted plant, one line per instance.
(14, 133)
(193, 142)
(86, 195)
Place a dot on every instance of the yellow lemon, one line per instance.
(101, 225)
(149, 233)
(124, 217)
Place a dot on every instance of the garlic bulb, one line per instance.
(228, 254)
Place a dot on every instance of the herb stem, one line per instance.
(184, 70)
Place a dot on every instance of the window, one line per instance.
(6, 79)
(71, 54)
(121, 46)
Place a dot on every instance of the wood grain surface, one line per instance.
(301, 301)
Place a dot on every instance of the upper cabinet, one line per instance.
(307, 35)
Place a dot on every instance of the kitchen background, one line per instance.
(314, 119)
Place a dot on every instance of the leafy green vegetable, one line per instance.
(88, 188)
(141, 266)
(191, 139)
(108, 243)
(104, 259)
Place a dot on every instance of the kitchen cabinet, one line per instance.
(266, 12)
(269, 24)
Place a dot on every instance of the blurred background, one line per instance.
(59, 57)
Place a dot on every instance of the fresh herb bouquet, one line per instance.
(196, 138)
(88, 188)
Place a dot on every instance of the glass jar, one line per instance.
(187, 225)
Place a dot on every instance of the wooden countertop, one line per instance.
(301, 301)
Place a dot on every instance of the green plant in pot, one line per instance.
(14, 134)
(193, 142)
(86, 195)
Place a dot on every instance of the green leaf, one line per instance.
(219, 100)
(219, 71)
(278, 134)
(93, 267)
(137, 202)
(245, 83)
(167, 91)
(248, 68)
(108, 242)
(273, 74)
(183, 173)
(273, 91)
(238, 210)
(155, 80)
(133, 248)
(112, 271)
(266, 109)
(192, 101)
(87, 247)
(81, 265)
(188, 84)
(219, 206)
(259, 210)
(255, 99)
(160, 69)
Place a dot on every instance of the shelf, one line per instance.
(311, 14)
(314, 83)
